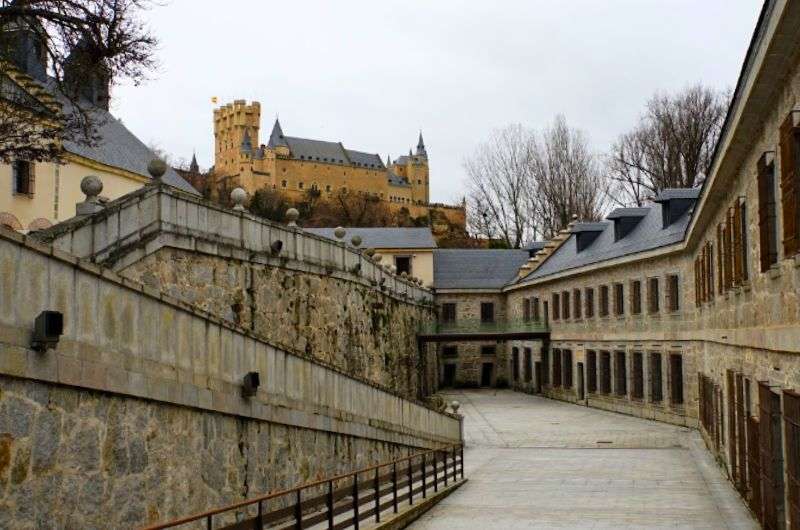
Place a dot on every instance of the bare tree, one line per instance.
(69, 43)
(671, 147)
(499, 180)
(523, 188)
(567, 180)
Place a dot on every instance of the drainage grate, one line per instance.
(604, 442)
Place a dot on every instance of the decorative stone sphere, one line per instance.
(356, 240)
(91, 186)
(370, 252)
(377, 257)
(455, 405)
(157, 168)
(339, 232)
(393, 269)
(238, 196)
(404, 274)
(292, 215)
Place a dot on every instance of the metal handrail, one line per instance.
(479, 326)
(454, 452)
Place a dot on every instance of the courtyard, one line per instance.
(534, 462)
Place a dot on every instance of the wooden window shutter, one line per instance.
(726, 251)
(743, 246)
(789, 187)
(763, 215)
(697, 300)
(710, 269)
(720, 261)
(738, 248)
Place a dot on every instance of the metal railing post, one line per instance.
(410, 483)
(445, 468)
(455, 469)
(424, 485)
(209, 526)
(377, 498)
(259, 518)
(298, 512)
(435, 472)
(330, 504)
(394, 485)
(355, 500)
(462, 461)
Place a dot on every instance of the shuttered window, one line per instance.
(727, 253)
(589, 302)
(652, 295)
(619, 299)
(637, 392)
(621, 374)
(767, 220)
(698, 298)
(526, 309)
(720, 261)
(636, 297)
(536, 310)
(556, 307)
(605, 372)
(576, 302)
(604, 300)
(565, 305)
(23, 177)
(737, 246)
(591, 371)
(673, 292)
(656, 380)
(743, 246)
(790, 187)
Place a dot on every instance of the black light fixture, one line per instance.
(250, 384)
(276, 246)
(47, 329)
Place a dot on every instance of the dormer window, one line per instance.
(586, 233)
(625, 220)
(675, 202)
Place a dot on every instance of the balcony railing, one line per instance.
(479, 327)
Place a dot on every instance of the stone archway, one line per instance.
(9, 220)
(40, 223)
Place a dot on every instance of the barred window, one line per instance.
(576, 297)
(605, 372)
(636, 297)
(589, 302)
(448, 312)
(565, 305)
(676, 378)
(567, 356)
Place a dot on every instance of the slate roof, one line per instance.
(384, 237)
(678, 193)
(535, 245)
(619, 213)
(396, 180)
(476, 268)
(118, 147)
(321, 150)
(648, 234)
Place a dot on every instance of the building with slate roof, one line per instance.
(685, 311)
(37, 195)
(409, 250)
(295, 165)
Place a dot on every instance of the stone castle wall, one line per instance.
(351, 326)
(143, 396)
(315, 296)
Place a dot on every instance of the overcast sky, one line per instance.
(371, 74)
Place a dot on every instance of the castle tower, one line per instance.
(417, 173)
(236, 128)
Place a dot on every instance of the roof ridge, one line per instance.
(549, 249)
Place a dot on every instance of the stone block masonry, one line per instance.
(314, 297)
(138, 414)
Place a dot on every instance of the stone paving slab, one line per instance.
(536, 463)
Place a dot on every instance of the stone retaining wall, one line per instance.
(143, 394)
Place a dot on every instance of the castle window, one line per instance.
(419, 181)
(23, 177)
(328, 188)
(300, 185)
(283, 183)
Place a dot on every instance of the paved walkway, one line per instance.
(539, 463)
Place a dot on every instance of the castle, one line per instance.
(294, 165)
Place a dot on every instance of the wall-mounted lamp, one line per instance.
(250, 384)
(276, 247)
(47, 329)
